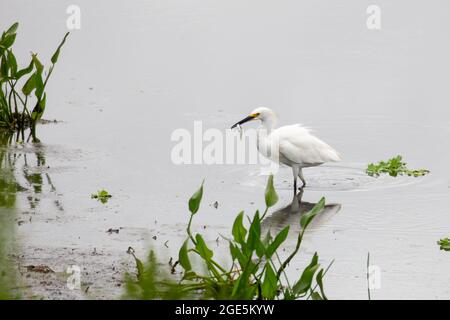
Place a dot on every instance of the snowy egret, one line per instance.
(297, 147)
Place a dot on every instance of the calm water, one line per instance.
(138, 70)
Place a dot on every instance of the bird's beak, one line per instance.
(249, 118)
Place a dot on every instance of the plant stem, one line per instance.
(264, 214)
(212, 266)
(189, 230)
(195, 243)
(284, 272)
(286, 262)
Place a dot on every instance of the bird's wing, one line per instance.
(297, 144)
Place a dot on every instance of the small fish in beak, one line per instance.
(240, 131)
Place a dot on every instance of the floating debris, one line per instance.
(111, 230)
(444, 244)
(39, 268)
(102, 195)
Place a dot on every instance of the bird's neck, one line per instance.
(268, 125)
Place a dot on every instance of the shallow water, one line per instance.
(136, 72)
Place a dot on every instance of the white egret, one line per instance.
(297, 147)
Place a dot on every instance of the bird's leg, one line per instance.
(300, 195)
(295, 173)
(300, 175)
(295, 186)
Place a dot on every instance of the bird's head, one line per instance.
(263, 114)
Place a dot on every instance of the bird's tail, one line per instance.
(334, 156)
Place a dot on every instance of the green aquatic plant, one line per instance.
(256, 271)
(19, 109)
(444, 244)
(394, 167)
(102, 195)
(153, 281)
(22, 176)
(8, 274)
(8, 214)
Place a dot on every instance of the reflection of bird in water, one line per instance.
(290, 215)
(297, 147)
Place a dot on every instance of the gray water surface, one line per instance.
(138, 70)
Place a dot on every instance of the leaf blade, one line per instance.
(202, 248)
(304, 283)
(55, 56)
(306, 219)
(239, 232)
(271, 196)
(195, 200)
(279, 239)
(270, 284)
(183, 257)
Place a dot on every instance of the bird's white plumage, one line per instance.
(297, 146)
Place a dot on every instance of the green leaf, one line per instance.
(306, 219)
(3, 102)
(139, 267)
(270, 284)
(444, 244)
(4, 67)
(56, 54)
(303, 285)
(101, 195)
(24, 71)
(394, 167)
(194, 201)
(12, 29)
(12, 62)
(183, 257)
(260, 248)
(271, 194)
(38, 111)
(237, 254)
(316, 296)
(233, 251)
(319, 280)
(29, 85)
(202, 248)
(279, 239)
(39, 85)
(288, 295)
(190, 275)
(239, 230)
(37, 64)
(242, 288)
(254, 233)
(8, 40)
(267, 239)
